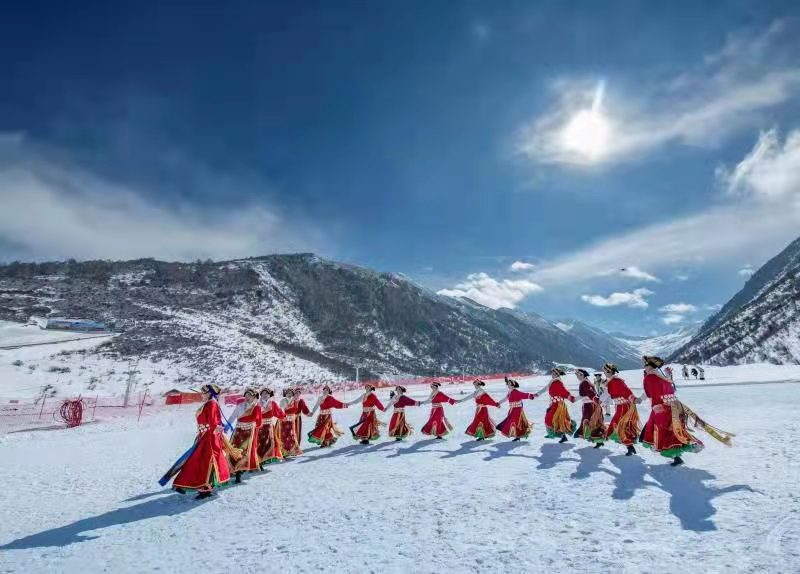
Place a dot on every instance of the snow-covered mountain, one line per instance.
(660, 345)
(625, 355)
(761, 323)
(279, 319)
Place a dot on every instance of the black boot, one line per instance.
(398, 439)
(203, 494)
(563, 439)
(515, 440)
(239, 477)
(440, 438)
(480, 438)
(598, 445)
(631, 450)
(365, 441)
(677, 462)
(179, 490)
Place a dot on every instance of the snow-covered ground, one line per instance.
(18, 334)
(86, 499)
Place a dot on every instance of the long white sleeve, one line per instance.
(543, 390)
(316, 405)
(430, 398)
(504, 399)
(237, 412)
(358, 400)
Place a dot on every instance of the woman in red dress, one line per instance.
(556, 418)
(516, 424)
(290, 443)
(482, 425)
(624, 426)
(207, 466)
(398, 425)
(367, 429)
(665, 431)
(302, 409)
(437, 424)
(247, 417)
(325, 433)
(592, 426)
(269, 445)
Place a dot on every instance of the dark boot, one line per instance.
(563, 439)
(203, 494)
(677, 462)
(440, 437)
(598, 444)
(365, 441)
(398, 439)
(631, 450)
(179, 490)
(515, 440)
(239, 478)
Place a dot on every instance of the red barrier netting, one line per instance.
(72, 412)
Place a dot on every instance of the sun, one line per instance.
(587, 134)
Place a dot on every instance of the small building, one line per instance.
(82, 325)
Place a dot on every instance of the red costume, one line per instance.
(592, 426)
(207, 466)
(398, 426)
(302, 409)
(556, 418)
(516, 424)
(624, 425)
(482, 425)
(367, 426)
(665, 431)
(437, 424)
(245, 438)
(290, 443)
(325, 433)
(269, 445)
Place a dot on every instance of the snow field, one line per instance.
(86, 500)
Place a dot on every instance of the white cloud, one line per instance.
(632, 272)
(634, 299)
(771, 171)
(522, 266)
(53, 210)
(697, 108)
(491, 292)
(681, 308)
(672, 319)
(746, 271)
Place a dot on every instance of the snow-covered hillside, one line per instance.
(418, 506)
(270, 320)
(761, 323)
(660, 345)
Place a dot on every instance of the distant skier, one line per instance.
(694, 372)
(685, 372)
(702, 373)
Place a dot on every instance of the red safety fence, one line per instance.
(62, 412)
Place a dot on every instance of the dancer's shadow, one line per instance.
(415, 447)
(631, 477)
(690, 496)
(148, 494)
(590, 459)
(503, 449)
(372, 448)
(332, 452)
(74, 532)
(469, 447)
(551, 455)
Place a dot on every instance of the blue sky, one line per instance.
(443, 140)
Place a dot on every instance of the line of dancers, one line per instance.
(266, 431)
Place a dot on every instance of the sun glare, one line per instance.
(587, 133)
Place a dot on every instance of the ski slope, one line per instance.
(86, 500)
